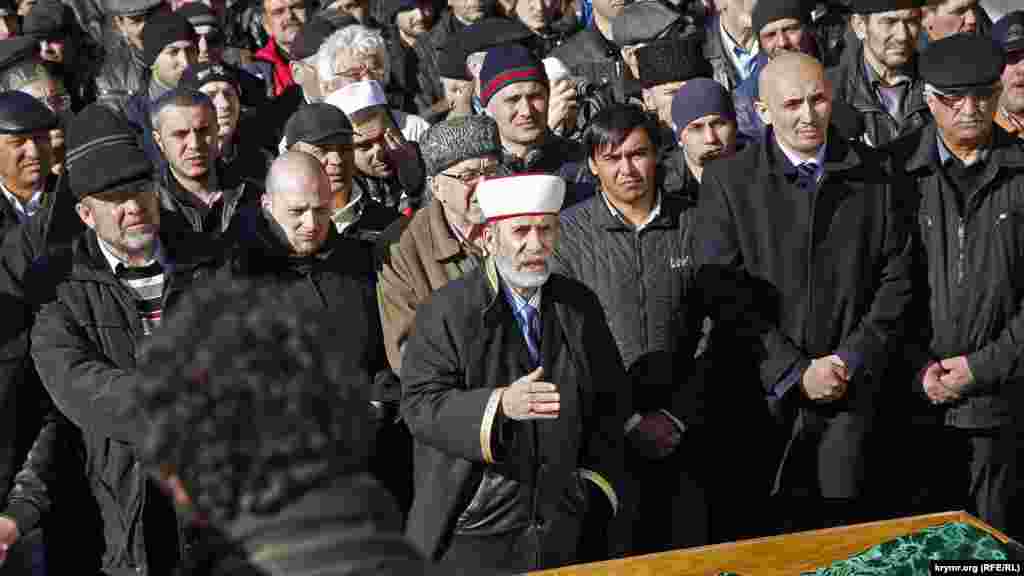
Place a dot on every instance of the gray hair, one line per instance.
(356, 40)
(183, 97)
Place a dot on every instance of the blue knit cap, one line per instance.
(508, 64)
(698, 98)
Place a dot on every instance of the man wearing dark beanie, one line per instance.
(104, 295)
(879, 78)
(169, 48)
(780, 26)
(514, 91)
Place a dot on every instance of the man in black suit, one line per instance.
(803, 262)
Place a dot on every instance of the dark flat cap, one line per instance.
(8, 8)
(17, 49)
(199, 14)
(48, 19)
(876, 6)
(642, 22)
(491, 32)
(195, 77)
(672, 60)
(1009, 31)
(312, 35)
(317, 124)
(129, 7)
(962, 60)
(768, 11)
(23, 114)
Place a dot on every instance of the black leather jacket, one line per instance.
(122, 74)
(851, 85)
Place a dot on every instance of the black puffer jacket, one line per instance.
(642, 280)
(84, 343)
(850, 84)
(969, 269)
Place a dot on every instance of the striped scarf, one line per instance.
(147, 285)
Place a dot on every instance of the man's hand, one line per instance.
(8, 537)
(530, 399)
(562, 105)
(399, 149)
(957, 376)
(934, 388)
(826, 379)
(656, 436)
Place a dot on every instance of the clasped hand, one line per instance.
(826, 379)
(944, 381)
(530, 398)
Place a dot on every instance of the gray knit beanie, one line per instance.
(449, 142)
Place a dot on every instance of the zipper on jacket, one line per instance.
(960, 264)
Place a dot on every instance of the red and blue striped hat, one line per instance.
(508, 64)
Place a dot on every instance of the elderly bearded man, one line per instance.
(514, 392)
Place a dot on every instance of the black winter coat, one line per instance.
(121, 75)
(969, 273)
(84, 347)
(28, 419)
(339, 277)
(792, 274)
(465, 344)
(642, 280)
(850, 84)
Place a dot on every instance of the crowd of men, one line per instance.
(397, 287)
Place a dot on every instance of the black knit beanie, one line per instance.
(159, 32)
(768, 11)
(103, 152)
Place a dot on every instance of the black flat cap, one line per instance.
(318, 124)
(962, 60)
(199, 14)
(1009, 31)
(17, 49)
(672, 60)
(195, 77)
(491, 32)
(876, 6)
(312, 35)
(48, 19)
(8, 8)
(643, 22)
(130, 7)
(23, 114)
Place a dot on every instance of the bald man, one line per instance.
(804, 268)
(288, 240)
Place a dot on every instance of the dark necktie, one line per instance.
(805, 173)
(533, 332)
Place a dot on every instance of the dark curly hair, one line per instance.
(247, 404)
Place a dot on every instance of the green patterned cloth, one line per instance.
(909, 555)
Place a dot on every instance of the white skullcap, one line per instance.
(529, 195)
(357, 96)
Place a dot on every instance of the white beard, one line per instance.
(517, 279)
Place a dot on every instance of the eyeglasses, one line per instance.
(470, 177)
(356, 74)
(955, 99)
